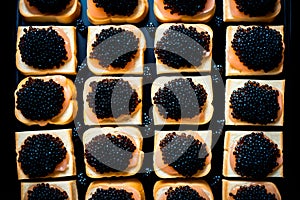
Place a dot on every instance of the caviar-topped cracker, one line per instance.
(50, 189)
(254, 102)
(45, 154)
(182, 100)
(115, 49)
(236, 189)
(184, 11)
(254, 50)
(178, 188)
(113, 152)
(182, 154)
(251, 11)
(112, 100)
(253, 154)
(53, 11)
(45, 50)
(183, 48)
(43, 100)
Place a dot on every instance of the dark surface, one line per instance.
(11, 77)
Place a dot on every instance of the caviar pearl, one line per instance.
(45, 191)
(257, 7)
(117, 7)
(253, 192)
(183, 7)
(181, 192)
(111, 193)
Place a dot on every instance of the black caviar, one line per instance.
(112, 98)
(109, 153)
(183, 7)
(114, 47)
(258, 47)
(256, 8)
(40, 154)
(111, 193)
(256, 155)
(50, 6)
(182, 46)
(117, 7)
(39, 99)
(255, 103)
(42, 48)
(180, 98)
(183, 192)
(252, 192)
(43, 191)
(184, 153)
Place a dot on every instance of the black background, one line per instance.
(11, 186)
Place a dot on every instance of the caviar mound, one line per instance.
(183, 48)
(42, 50)
(115, 49)
(112, 151)
(254, 189)
(182, 100)
(251, 11)
(253, 154)
(50, 189)
(43, 100)
(45, 153)
(111, 100)
(254, 102)
(189, 189)
(182, 154)
(166, 11)
(254, 50)
(130, 188)
(64, 12)
(101, 12)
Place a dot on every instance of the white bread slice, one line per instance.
(230, 139)
(232, 71)
(138, 62)
(69, 68)
(162, 171)
(65, 135)
(201, 186)
(135, 136)
(208, 109)
(129, 184)
(231, 186)
(206, 62)
(67, 16)
(234, 84)
(164, 16)
(229, 8)
(68, 113)
(90, 117)
(97, 16)
(69, 186)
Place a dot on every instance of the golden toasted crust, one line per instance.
(231, 186)
(129, 184)
(206, 61)
(228, 16)
(65, 135)
(132, 132)
(203, 136)
(68, 186)
(201, 17)
(69, 68)
(234, 84)
(66, 116)
(136, 68)
(161, 186)
(208, 109)
(230, 139)
(231, 71)
(64, 17)
(90, 117)
(139, 14)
